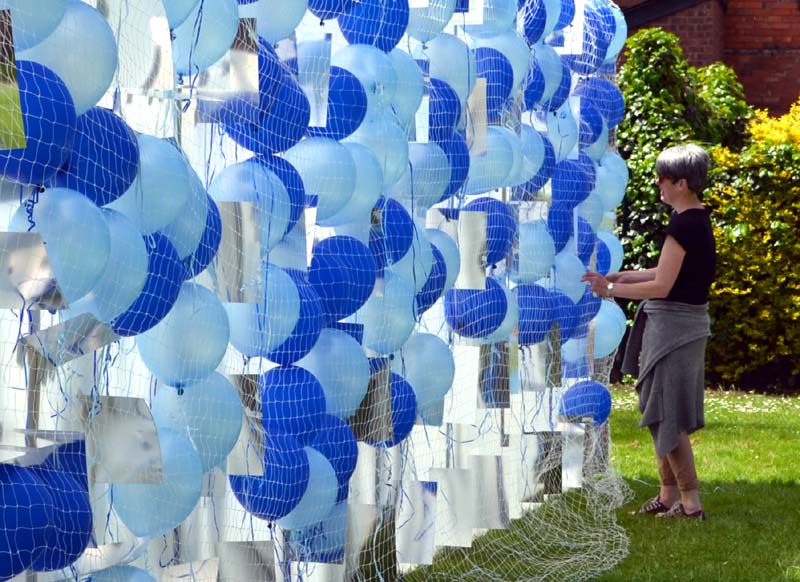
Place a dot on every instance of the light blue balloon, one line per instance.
(429, 173)
(533, 148)
(257, 329)
(453, 62)
(537, 252)
(82, 51)
(410, 84)
(609, 327)
(549, 62)
(187, 229)
(328, 172)
(416, 264)
(425, 23)
(568, 272)
(611, 180)
(275, 19)
(389, 315)
(178, 10)
(553, 11)
(338, 361)
(596, 150)
(190, 342)
(490, 170)
(498, 17)
(152, 509)
(251, 181)
(33, 21)
(123, 278)
(320, 496)
(420, 355)
(76, 235)
(388, 142)
(123, 573)
(614, 248)
(620, 34)
(369, 183)
(509, 322)
(374, 69)
(205, 36)
(562, 130)
(591, 210)
(449, 249)
(323, 541)
(161, 188)
(208, 411)
(514, 48)
(512, 179)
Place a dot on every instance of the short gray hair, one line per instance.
(687, 161)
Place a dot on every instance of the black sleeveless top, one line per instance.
(692, 229)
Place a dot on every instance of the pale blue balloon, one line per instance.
(597, 150)
(161, 188)
(514, 48)
(275, 19)
(153, 509)
(574, 350)
(389, 315)
(122, 573)
(208, 411)
(620, 34)
(568, 272)
(410, 84)
(562, 131)
(509, 322)
(205, 36)
(553, 12)
(33, 21)
(82, 51)
(609, 327)
(374, 69)
(591, 210)
(124, 275)
(76, 235)
(251, 181)
(513, 177)
(338, 361)
(425, 23)
(452, 256)
(320, 496)
(537, 252)
(187, 229)
(611, 180)
(416, 264)
(533, 150)
(429, 173)
(452, 61)
(420, 356)
(258, 328)
(614, 248)
(328, 172)
(190, 342)
(178, 10)
(490, 170)
(367, 191)
(549, 62)
(498, 17)
(388, 142)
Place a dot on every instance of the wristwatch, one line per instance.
(609, 289)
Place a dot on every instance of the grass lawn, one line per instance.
(748, 459)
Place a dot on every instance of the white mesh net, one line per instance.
(291, 289)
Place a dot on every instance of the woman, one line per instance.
(666, 347)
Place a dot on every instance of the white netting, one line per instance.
(291, 289)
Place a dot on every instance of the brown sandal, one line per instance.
(678, 510)
(652, 507)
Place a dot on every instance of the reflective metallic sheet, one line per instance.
(238, 261)
(199, 571)
(477, 122)
(198, 535)
(314, 69)
(107, 555)
(26, 276)
(487, 472)
(71, 339)
(456, 507)
(121, 439)
(472, 248)
(416, 527)
(539, 410)
(572, 455)
(364, 482)
(372, 421)
(292, 251)
(247, 455)
(461, 402)
(495, 373)
(239, 561)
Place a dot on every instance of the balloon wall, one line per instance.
(282, 276)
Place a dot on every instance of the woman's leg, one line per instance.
(681, 461)
(669, 492)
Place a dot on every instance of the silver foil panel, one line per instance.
(71, 339)
(416, 523)
(472, 248)
(457, 507)
(574, 435)
(199, 571)
(294, 251)
(238, 263)
(26, 275)
(245, 560)
(372, 421)
(490, 489)
(461, 402)
(247, 456)
(495, 375)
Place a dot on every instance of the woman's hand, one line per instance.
(597, 282)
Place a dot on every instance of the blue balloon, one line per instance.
(70, 459)
(534, 20)
(392, 236)
(26, 518)
(422, 353)
(572, 182)
(444, 110)
(293, 183)
(566, 15)
(104, 158)
(591, 124)
(329, 9)
(537, 313)
(33, 22)
(536, 254)
(347, 105)
(560, 223)
(335, 440)
(292, 402)
(343, 274)
(122, 574)
(275, 493)
(605, 96)
(388, 317)
(613, 247)
(500, 227)
(455, 148)
(434, 285)
(72, 520)
(177, 11)
(49, 120)
(207, 249)
(187, 229)
(603, 258)
(475, 313)
(404, 412)
(530, 188)
(452, 61)
(587, 241)
(588, 306)
(165, 274)
(587, 398)
(609, 328)
(309, 324)
(561, 93)
(533, 85)
(596, 41)
(410, 86)
(496, 69)
(319, 497)
(204, 36)
(567, 316)
(389, 142)
(380, 23)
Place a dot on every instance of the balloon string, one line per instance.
(30, 204)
